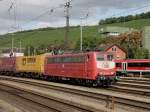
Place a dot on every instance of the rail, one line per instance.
(111, 100)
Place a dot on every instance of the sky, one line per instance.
(17, 15)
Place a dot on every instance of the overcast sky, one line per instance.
(26, 10)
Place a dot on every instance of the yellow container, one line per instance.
(30, 64)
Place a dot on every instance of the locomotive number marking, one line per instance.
(105, 65)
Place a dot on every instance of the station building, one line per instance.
(110, 31)
(116, 50)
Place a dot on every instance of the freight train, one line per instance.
(92, 68)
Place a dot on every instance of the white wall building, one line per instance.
(14, 54)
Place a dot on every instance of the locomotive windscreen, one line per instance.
(100, 57)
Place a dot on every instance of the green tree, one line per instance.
(141, 53)
(29, 50)
(125, 18)
(89, 43)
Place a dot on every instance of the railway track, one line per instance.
(139, 83)
(131, 90)
(45, 100)
(133, 85)
(28, 101)
(110, 100)
(135, 79)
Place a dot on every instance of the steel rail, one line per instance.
(79, 107)
(100, 96)
(135, 85)
(20, 94)
(135, 81)
(45, 101)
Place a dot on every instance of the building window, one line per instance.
(114, 49)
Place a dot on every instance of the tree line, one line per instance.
(130, 42)
(125, 18)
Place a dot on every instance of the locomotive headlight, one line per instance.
(112, 72)
(101, 73)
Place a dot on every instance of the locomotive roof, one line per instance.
(76, 54)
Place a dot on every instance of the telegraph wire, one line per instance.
(52, 10)
(49, 12)
(130, 10)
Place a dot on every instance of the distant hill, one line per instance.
(136, 24)
(55, 36)
(127, 18)
(47, 36)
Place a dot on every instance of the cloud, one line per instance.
(26, 10)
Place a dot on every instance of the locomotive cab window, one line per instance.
(99, 57)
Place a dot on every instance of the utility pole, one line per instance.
(12, 44)
(28, 50)
(34, 51)
(67, 7)
(81, 31)
(20, 46)
(81, 36)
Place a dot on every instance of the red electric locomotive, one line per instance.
(7, 65)
(91, 68)
(134, 66)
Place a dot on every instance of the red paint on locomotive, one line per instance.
(7, 64)
(83, 65)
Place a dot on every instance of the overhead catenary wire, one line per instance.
(12, 10)
(51, 10)
(48, 12)
(122, 13)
